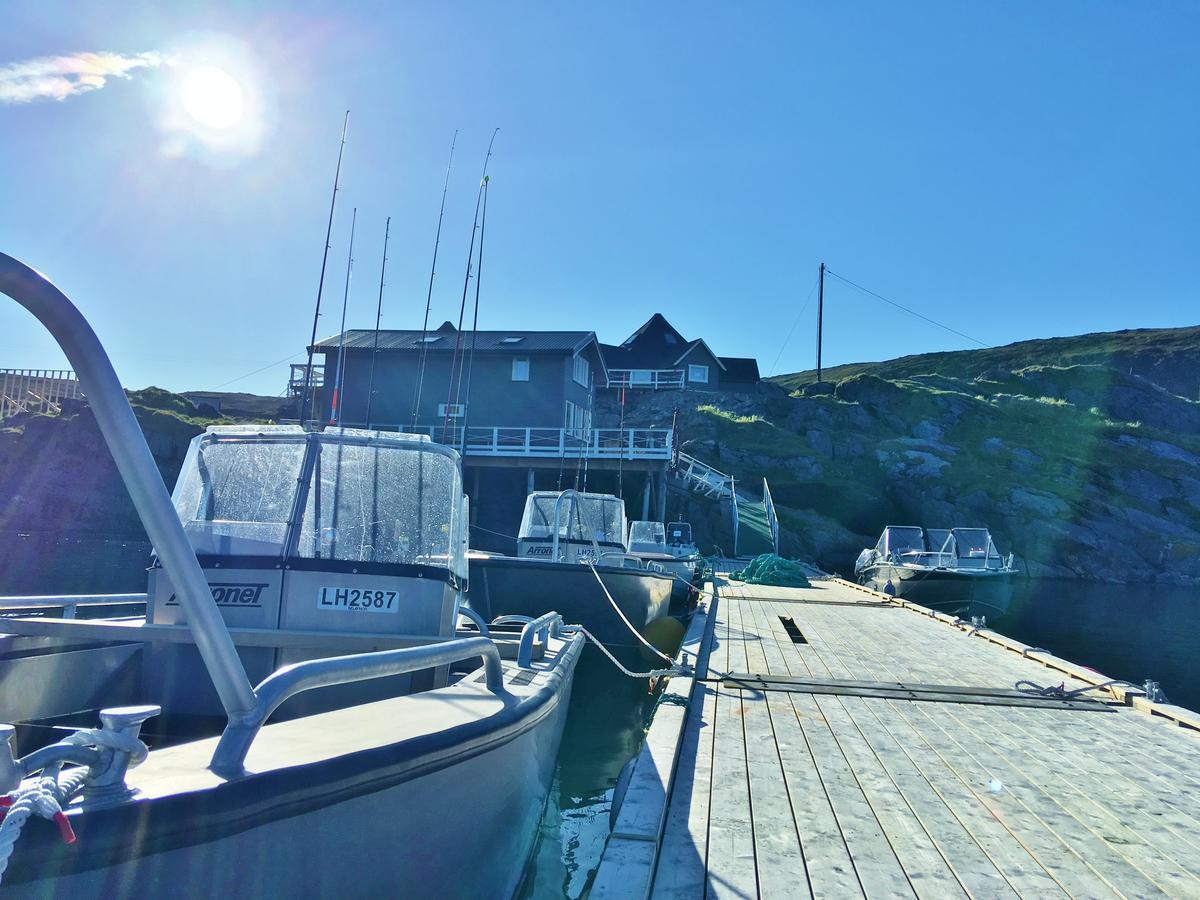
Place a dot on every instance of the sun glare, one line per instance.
(212, 97)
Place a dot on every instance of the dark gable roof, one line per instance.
(484, 341)
(740, 370)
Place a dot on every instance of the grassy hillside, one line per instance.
(1169, 357)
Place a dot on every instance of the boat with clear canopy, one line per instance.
(572, 556)
(958, 570)
(299, 693)
(648, 542)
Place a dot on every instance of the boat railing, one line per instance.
(547, 625)
(239, 734)
(70, 603)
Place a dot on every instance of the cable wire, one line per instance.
(795, 322)
(900, 306)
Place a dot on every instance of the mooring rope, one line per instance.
(1060, 692)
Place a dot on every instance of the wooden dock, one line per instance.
(836, 742)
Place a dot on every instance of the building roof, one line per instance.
(739, 369)
(443, 339)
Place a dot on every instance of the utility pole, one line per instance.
(820, 315)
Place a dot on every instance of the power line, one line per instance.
(795, 322)
(277, 362)
(911, 312)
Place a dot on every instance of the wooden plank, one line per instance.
(680, 870)
(626, 869)
(731, 864)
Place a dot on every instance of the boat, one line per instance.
(572, 557)
(955, 570)
(383, 745)
(648, 542)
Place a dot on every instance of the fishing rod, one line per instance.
(335, 413)
(378, 314)
(475, 321)
(337, 175)
(437, 240)
(462, 309)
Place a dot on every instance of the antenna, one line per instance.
(337, 175)
(437, 240)
(335, 413)
(378, 314)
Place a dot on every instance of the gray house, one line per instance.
(525, 379)
(657, 356)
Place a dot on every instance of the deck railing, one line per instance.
(650, 379)
(548, 443)
(702, 477)
(772, 519)
(295, 386)
(35, 390)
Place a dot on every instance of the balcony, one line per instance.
(649, 379)
(555, 443)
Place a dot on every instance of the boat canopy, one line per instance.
(647, 537)
(679, 534)
(597, 516)
(901, 539)
(342, 494)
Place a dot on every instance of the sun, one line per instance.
(212, 97)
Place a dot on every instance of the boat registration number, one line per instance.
(357, 600)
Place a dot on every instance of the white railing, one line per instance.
(702, 477)
(772, 519)
(35, 390)
(295, 386)
(651, 379)
(550, 443)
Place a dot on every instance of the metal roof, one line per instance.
(484, 341)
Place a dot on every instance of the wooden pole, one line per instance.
(820, 315)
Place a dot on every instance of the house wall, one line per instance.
(698, 356)
(496, 400)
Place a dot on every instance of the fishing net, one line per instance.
(772, 570)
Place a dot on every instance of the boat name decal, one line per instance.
(241, 595)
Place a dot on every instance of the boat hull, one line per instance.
(445, 814)
(505, 585)
(959, 593)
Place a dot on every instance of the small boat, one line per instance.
(572, 557)
(331, 566)
(956, 570)
(648, 542)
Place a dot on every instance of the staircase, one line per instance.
(755, 526)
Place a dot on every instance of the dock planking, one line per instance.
(780, 791)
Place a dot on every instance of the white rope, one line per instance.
(110, 740)
(675, 669)
(42, 798)
(633, 630)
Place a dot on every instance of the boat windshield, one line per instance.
(679, 533)
(973, 543)
(939, 540)
(901, 539)
(360, 496)
(647, 534)
(599, 516)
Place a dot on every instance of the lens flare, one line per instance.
(212, 97)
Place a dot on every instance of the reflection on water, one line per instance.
(1130, 631)
(605, 727)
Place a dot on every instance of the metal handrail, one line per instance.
(230, 755)
(69, 602)
(138, 470)
(549, 624)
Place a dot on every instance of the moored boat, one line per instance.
(956, 570)
(648, 542)
(572, 557)
(285, 551)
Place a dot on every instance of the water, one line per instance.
(1130, 631)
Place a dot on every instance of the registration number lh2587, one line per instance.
(357, 600)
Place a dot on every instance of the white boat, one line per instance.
(648, 542)
(381, 750)
(572, 557)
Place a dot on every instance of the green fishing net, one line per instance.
(772, 570)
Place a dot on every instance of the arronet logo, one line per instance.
(241, 596)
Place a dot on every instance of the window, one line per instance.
(582, 371)
(511, 340)
(520, 369)
(429, 339)
(578, 421)
(456, 410)
(698, 374)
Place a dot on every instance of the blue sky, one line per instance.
(1014, 170)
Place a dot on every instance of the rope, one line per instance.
(675, 669)
(43, 798)
(1059, 691)
(632, 630)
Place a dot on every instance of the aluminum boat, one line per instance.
(648, 542)
(383, 749)
(956, 570)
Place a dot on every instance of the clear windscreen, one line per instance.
(592, 516)
(647, 533)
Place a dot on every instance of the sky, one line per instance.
(1011, 171)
